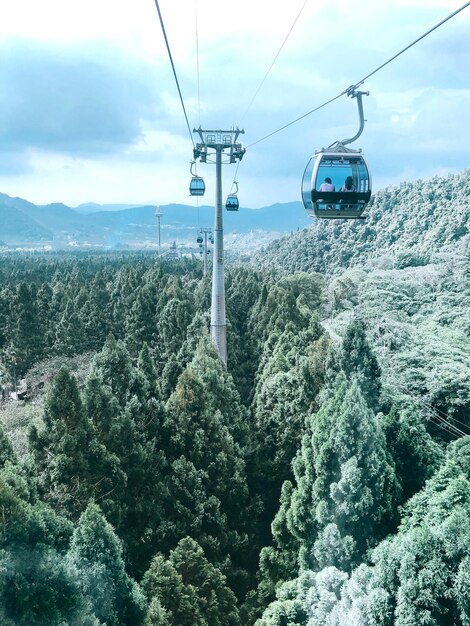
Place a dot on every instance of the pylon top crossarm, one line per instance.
(219, 140)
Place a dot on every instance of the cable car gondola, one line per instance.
(231, 203)
(197, 186)
(336, 183)
(199, 238)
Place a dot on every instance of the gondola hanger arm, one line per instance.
(353, 93)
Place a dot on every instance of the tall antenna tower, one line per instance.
(158, 215)
(221, 141)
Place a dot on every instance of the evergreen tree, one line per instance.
(6, 451)
(411, 446)
(420, 575)
(5, 300)
(69, 334)
(243, 288)
(96, 554)
(285, 395)
(36, 585)
(27, 340)
(156, 616)
(130, 424)
(113, 366)
(360, 362)
(279, 562)
(190, 589)
(73, 466)
(220, 392)
(172, 324)
(199, 436)
(345, 489)
(96, 313)
(170, 374)
(141, 323)
(46, 320)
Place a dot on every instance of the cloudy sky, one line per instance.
(89, 110)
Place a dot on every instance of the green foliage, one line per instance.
(6, 451)
(417, 576)
(204, 417)
(128, 417)
(96, 554)
(360, 362)
(287, 384)
(172, 445)
(344, 497)
(73, 466)
(406, 225)
(36, 585)
(190, 590)
(345, 479)
(26, 338)
(410, 446)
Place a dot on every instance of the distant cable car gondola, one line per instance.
(199, 238)
(232, 200)
(336, 183)
(197, 186)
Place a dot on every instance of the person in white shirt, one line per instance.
(327, 185)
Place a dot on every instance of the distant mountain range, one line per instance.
(25, 224)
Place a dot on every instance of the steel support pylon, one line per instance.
(218, 321)
(218, 140)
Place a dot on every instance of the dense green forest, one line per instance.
(410, 225)
(323, 478)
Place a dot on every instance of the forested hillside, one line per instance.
(322, 478)
(406, 225)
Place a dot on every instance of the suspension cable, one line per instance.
(436, 410)
(197, 65)
(274, 60)
(438, 419)
(298, 118)
(360, 82)
(174, 71)
(356, 85)
(264, 80)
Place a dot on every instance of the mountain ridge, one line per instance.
(407, 225)
(134, 224)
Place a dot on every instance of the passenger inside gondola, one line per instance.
(327, 185)
(348, 184)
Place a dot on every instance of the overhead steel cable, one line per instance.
(438, 419)
(260, 86)
(298, 119)
(360, 82)
(356, 85)
(174, 71)
(197, 66)
(274, 60)
(438, 412)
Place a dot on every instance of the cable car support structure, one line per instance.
(220, 141)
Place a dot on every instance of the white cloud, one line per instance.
(116, 132)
